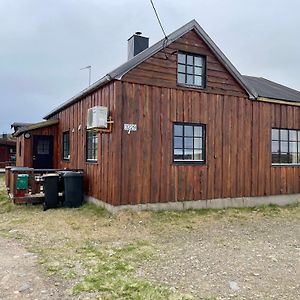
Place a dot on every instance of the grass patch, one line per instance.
(76, 245)
(5, 205)
(99, 254)
(112, 274)
(96, 210)
(267, 210)
(111, 271)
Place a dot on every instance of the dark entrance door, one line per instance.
(42, 154)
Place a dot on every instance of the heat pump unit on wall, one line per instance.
(97, 117)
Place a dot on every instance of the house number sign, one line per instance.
(130, 127)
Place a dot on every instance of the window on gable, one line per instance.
(66, 145)
(191, 69)
(91, 146)
(285, 146)
(188, 142)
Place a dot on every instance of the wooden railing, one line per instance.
(34, 191)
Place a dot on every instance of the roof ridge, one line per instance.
(142, 56)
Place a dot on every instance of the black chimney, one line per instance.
(136, 44)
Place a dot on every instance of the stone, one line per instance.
(233, 285)
(24, 287)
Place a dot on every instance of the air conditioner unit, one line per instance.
(97, 117)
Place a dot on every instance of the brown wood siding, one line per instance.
(137, 167)
(20, 156)
(5, 153)
(103, 178)
(238, 146)
(25, 159)
(160, 71)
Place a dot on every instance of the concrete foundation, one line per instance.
(280, 200)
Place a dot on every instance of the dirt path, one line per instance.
(20, 277)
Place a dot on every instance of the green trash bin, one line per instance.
(22, 181)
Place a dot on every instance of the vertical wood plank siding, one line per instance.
(238, 146)
(102, 178)
(137, 167)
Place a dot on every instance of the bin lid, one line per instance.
(62, 172)
(21, 169)
(44, 170)
(23, 175)
(72, 174)
(50, 175)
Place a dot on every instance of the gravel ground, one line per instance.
(20, 277)
(255, 258)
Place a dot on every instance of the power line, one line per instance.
(162, 29)
(160, 24)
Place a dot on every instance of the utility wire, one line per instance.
(162, 29)
(158, 19)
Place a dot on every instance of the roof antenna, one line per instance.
(90, 73)
(162, 29)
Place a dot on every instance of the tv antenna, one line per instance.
(90, 72)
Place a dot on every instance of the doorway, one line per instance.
(42, 152)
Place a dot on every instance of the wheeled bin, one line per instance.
(73, 188)
(51, 191)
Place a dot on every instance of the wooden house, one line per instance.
(188, 131)
(7, 150)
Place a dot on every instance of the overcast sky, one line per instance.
(43, 43)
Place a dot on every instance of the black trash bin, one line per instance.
(61, 184)
(51, 191)
(73, 188)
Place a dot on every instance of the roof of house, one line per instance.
(36, 126)
(250, 87)
(8, 140)
(117, 73)
(19, 124)
(269, 89)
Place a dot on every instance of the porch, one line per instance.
(31, 190)
(36, 144)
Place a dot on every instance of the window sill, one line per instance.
(65, 160)
(189, 162)
(286, 165)
(93, 162)
(191, 86)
